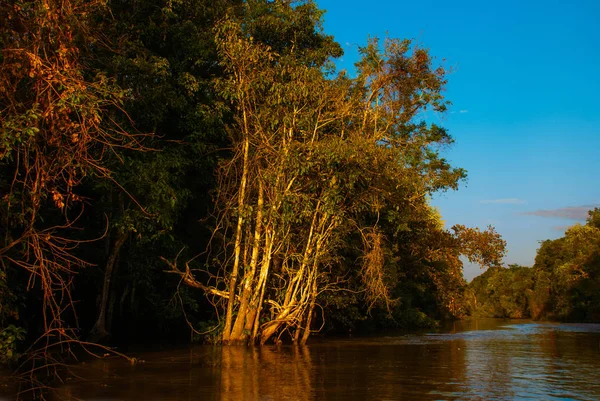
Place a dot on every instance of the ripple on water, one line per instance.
(482, 360)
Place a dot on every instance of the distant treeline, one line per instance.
(563, 284)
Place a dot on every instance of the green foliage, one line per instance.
(563, 284)
(503, 292)
(343, 312)
(135, 115)
(413, 319)
(570, 269)
(329, 157)
(208, 332)
(10, 336)
(8, 300)
(291, 28)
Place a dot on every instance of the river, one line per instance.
(487, 359)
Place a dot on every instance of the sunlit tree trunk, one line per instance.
(232, 287)
(244, 314)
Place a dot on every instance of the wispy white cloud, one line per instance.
(463, 111)
(505, 201)
(572, 212)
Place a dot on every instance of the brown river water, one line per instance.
(470, 360)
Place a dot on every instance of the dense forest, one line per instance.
(562, 285)
(198, 170)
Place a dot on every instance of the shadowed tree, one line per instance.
(58, 126)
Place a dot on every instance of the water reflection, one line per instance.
(474, 360)
(389, 369)
(265, 374)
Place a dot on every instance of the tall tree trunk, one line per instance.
(311, 309)
(238, 331)
(99, 331)
(238, 245)
(259, 292)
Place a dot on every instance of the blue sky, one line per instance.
(525, 89)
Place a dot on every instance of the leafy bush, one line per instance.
(9, 337)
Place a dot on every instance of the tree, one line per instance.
(563, 283)
(163, 55)
(503, 292)
(316, 158)
(58, 123)
(567, 271)
(57, 128)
